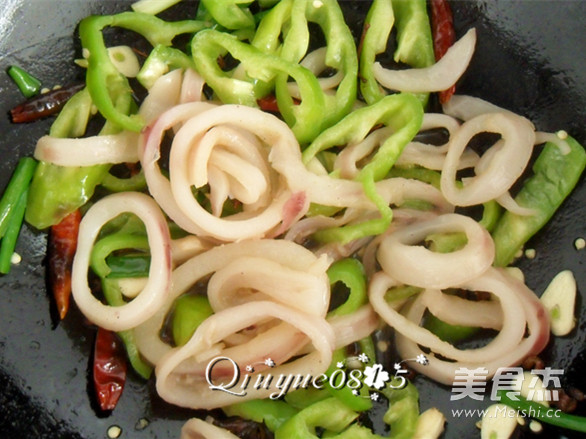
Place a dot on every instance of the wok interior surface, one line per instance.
(529, 59)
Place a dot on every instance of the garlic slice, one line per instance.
(559, 298)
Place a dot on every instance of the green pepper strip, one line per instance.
(134, 265)
(209, 44)
(137, 182)
(160, 61)
(102, 248)
(554, 177)
(105, 83)
(491, 214)
(56, 191)
(118, 241)
(403, 411)
(446, 332)
(26, 83)
(377, 28)
(351, 273)
(414, 38)
(8, 243)
(114, 297)
(272, 413)
(188, 313)
(404, 113)
(267, 35)
(340, 52)
(294, 15)
(544, 414)
(417, 173)
(330, 414)
(229, 13)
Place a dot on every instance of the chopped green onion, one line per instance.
(544, 414)
(27, 83)
(8, 243)
(17, 185)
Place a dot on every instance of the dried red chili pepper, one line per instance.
(43, 105)
(269, 103)
(444, 36)
(62, 246)
(109, 369)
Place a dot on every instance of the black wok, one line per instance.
(529, 58)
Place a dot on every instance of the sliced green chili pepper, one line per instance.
(401, 293)
(404, 113)
(126, 266)
(56, 191)
(113, 296)
(446, 242)
(377, 28)
(118, 241)
(209, 44)
(272, 412)
(340, 51)
(330, 414)
(291, 18)
(544, 414)
(229, 13)
(26, 83)
(137, 182)
(189, 312)
(351, 273)
(403, 411)
(417, 173)
(414, 38)
(302, 398)
(160, 61)
(491, 214)
(554, 177)
(446, 332)
(105, 83)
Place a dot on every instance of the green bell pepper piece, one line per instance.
(491, 214)
(291, 18)
(105, 83)
(209, 44)
(105, 246)
(377, 28)
(446, 332)
(229, 13)
(554, 177)
(330, 414)
(56, 191)
(137, 183)
(161, 60)
(272, 413)
(414, 38)
(340, 52)
(351, 273)
(403, 411)
(113, 297)
(189, 312)
(404, 113)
